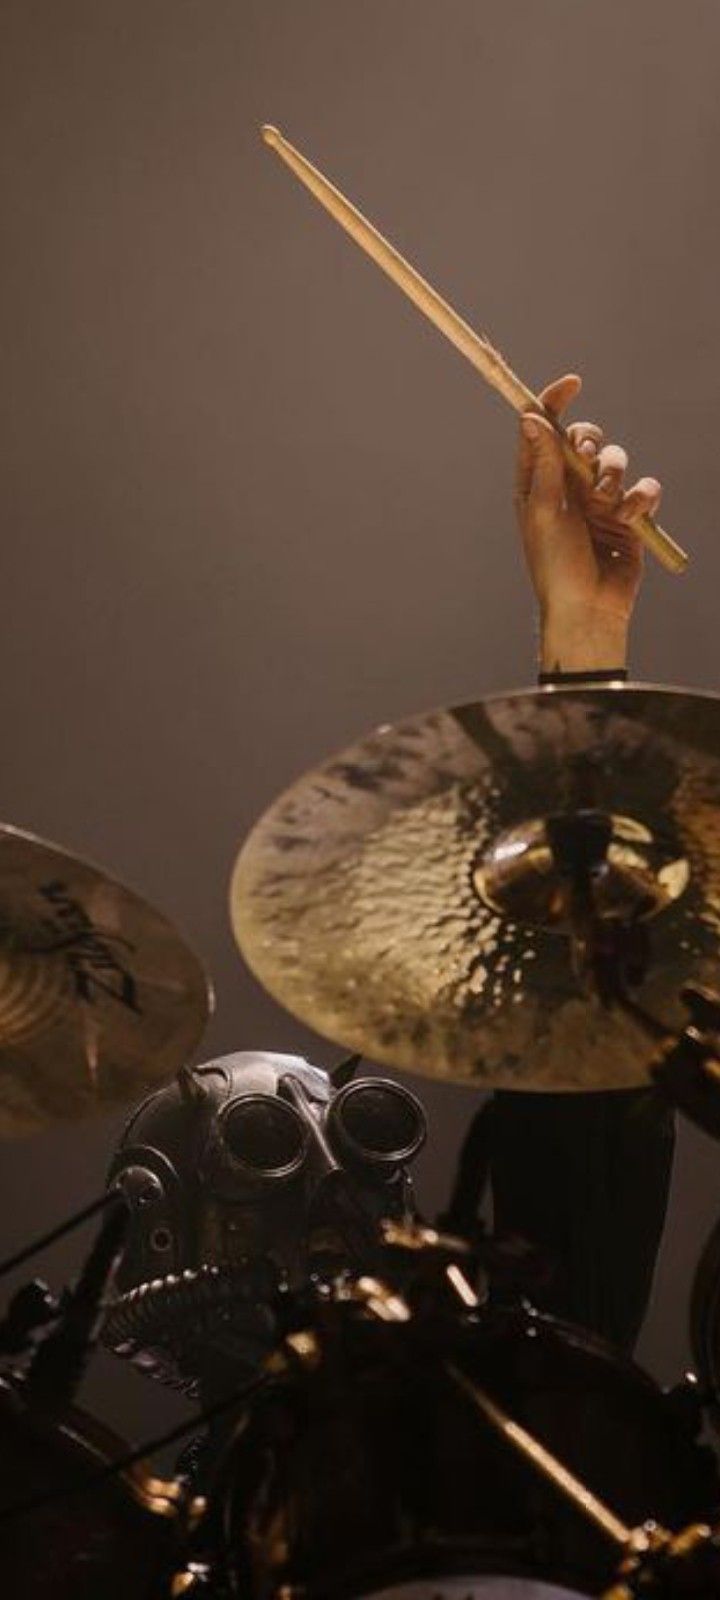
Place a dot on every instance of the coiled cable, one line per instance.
(170, 1327)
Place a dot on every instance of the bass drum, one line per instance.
(68, 1529)
(362, 1469)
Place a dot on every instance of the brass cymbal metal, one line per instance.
(518, 876)
(100, 998)
(373, 900)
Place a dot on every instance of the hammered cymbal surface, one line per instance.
(354, 900)
(100, 998)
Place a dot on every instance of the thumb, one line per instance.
(546, 488)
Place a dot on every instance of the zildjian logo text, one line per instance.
(93, 955)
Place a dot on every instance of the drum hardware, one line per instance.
(334, 1486)
(101, 1521)
(56, 1337)
(388, 1306)
(511, 893)
(117, 1465)
(415, 1266)
(80, 1514)
(72, 1528)
(636, 1543)
(61, 1357)
(459, 904)
(434, 1269)
(610, 952)
(687, 1563)
(32, 1306)
(382, 1302)
(413, 1238)
(195, 1578)
(99, 996)
(654, 1562)
(532, 1451)
(544, 1462)
(36, 1246)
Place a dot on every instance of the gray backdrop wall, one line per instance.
(251, 504)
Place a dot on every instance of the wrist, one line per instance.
(577, 640)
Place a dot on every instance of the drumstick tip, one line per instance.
(271, 135)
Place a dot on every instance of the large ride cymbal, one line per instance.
(100, 999)
(402, 899)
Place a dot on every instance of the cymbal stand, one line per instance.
(611, 952)
(33, 1306)
(60, 1359)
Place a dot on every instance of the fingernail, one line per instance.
(588, 447)
(529, 427)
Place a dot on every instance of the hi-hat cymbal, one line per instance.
(402, 898)
(100, 998)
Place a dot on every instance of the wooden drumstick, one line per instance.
(475, 347)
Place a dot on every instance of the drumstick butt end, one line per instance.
(271, 135)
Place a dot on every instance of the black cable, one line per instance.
(60, 1359)
(57, 1233)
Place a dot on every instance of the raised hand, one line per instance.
(585, 561)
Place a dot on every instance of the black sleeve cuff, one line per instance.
(606, 675)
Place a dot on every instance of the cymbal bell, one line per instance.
(100, 998)
(405, 901)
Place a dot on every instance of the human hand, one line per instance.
(585, 561)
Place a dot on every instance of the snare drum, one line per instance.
(364, 1470)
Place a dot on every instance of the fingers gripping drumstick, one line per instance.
(475, 347)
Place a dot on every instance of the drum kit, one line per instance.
(519, 893)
